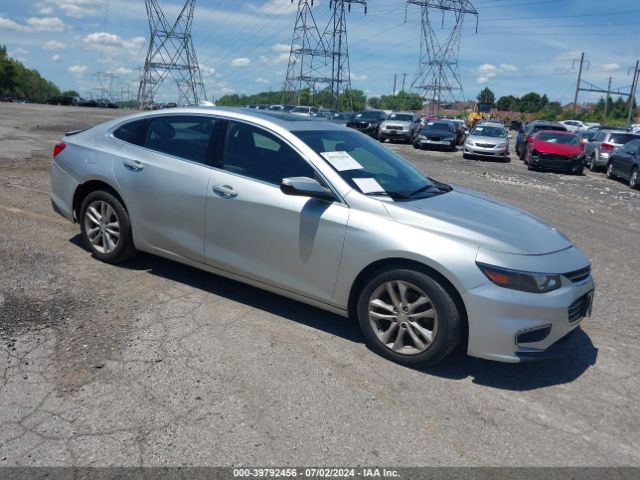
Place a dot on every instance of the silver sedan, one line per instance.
(325, 215)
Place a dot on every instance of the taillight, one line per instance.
(607, 147)
(58, 148)
(529, 139)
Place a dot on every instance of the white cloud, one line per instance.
(567, 56)
(240, 62)
(262, 80)
(8, 24)
(21, 51)
(54, 45)
(56, 58)
(275, 7)
(46, 24)
(72, 8)
(77, 69)
(207, 71)
(358, 77)
(101, 39)
(610, 67)
(281, 47)
(279, 59)
(487, 70)
(122, 71)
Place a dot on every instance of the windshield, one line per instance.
(369, 167)
(368, 116)
(559, 138)
(401, 117)
(497, 132)
(559, 128)
(439, 126)
(300, 110)
(343, 116)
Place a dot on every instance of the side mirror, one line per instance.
(306, 187)
(510, 136)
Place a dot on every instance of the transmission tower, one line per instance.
(307, 57)
(336, 34)
(171, 54)
(438, 75)
(319, 59)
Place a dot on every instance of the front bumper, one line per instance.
(557, 163)
(394, 134)
(512, 326)
(426, 142)
(502, 152)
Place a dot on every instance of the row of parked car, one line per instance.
(81, 102)
(550, 146)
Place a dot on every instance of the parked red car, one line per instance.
(555, 150)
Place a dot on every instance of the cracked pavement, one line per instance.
(154, 363)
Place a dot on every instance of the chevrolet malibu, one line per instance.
(323, 214)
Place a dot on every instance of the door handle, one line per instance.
(225, 190)
(133, 165)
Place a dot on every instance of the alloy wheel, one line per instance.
(403, 317)
(102, 226)
(633, 181)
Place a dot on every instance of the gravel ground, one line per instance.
(155, 363)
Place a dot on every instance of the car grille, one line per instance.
(553, 156)
(394, 127)
(485, 145)
(360, 124)
(579, 308)
(579, 275)
(434, 138)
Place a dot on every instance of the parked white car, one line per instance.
(574, 125)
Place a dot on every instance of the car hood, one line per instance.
(481, 139)
(433, 133)
(557, 149)
(482, 221)
(397, 122)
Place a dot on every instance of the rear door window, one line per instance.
(133, 132)
(183, 136)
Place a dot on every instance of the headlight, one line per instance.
(449, 138)
(502, 145)
(523, 281)
(468, 144)
(422, 137)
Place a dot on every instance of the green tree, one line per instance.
(507, 104)
(70, 93)
(486, 96)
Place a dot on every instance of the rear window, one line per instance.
(622, 138)
(133, 132)
(558, 128)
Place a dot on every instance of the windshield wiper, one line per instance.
(388, 194)
(421, 189)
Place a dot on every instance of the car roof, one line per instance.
(556, 132)
(274, 117)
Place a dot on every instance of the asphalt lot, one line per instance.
(155, 363)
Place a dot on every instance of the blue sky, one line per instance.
(242, 46)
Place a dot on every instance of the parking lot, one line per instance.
(156, 363)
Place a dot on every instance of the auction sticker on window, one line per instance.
(368, 185)
(341, 161)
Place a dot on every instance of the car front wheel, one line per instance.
(633, 179)
(408, 317)
(106, 228)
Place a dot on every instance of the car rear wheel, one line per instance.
(106, 228)
(408, 317)
(633, 179)
(610, 170)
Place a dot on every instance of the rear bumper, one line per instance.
(63, 188)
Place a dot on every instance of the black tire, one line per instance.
(633, 179)
(592, 163)
(381, 139)
(453, 148)
(416, 146)
(450, 324)
(124, 249)
(609, 173)
(466, 156)
(578, 170)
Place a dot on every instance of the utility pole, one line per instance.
(404, 79)
(395, 77)
(606, 102)
(575, 98)
(632, 95)
(438, 74)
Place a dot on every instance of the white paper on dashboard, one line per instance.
(341, 161)
(368, 185)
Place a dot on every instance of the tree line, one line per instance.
(18, 81)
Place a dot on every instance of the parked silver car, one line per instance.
(397, 126)
(602, 145)
(488, 140)
(324, 214)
